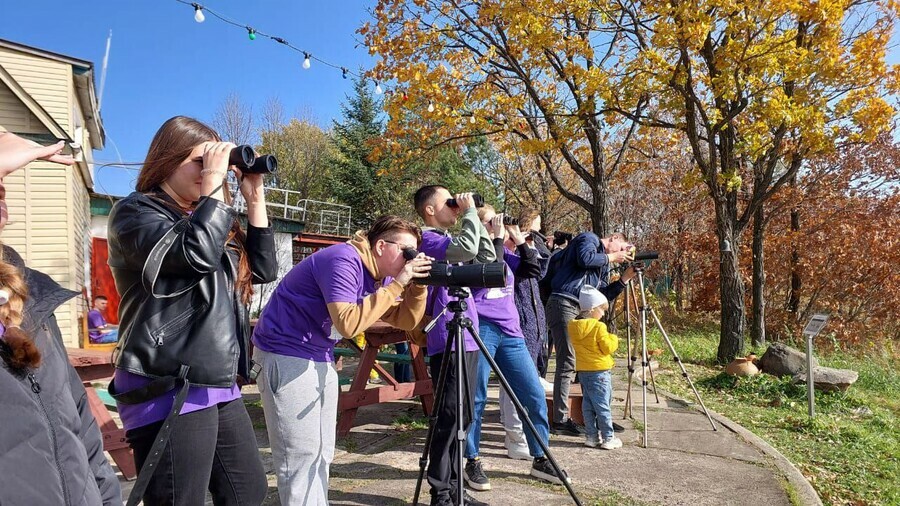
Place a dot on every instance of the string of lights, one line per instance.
(200, 12)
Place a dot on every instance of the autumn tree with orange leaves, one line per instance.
(758, 90)
(531, 76)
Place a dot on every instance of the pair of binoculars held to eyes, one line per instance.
(244, 158)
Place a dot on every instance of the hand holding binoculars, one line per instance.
(246, 160)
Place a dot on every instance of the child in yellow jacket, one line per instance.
(594, 346)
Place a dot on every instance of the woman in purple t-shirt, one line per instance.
(184, 267)
(499, 328)
(348, 287)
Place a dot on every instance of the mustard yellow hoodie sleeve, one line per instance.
(350, 319)
(607, 343)
(407, 313)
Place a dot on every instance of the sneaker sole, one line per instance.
(480, 487)
(548, 477)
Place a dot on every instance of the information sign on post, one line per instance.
(815, 325)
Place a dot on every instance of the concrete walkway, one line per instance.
(686, 463)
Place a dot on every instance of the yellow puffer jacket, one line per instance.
(593, 345)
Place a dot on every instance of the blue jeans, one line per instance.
(515, 363)
(110, 337)
(402, 372)
(596, 389)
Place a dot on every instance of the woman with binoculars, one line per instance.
(185, 268)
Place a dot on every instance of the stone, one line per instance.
(828, 379)
(782, 360)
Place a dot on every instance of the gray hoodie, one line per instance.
(51, 451)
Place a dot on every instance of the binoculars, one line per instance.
(510, 220)
(246, 160)
(479, 201)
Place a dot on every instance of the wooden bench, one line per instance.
(93, 365)
(359, 395)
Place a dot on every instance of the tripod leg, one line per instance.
(523, 414)
(644, 362)
(683, 370)
(629, 357)
(652, 380)
(461, 397)
(432, 420)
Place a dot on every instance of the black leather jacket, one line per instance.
(206, 327)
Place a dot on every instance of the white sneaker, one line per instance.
(548, 387)
(517, 447)
(611, 443)
(591, 441)
(518, 452)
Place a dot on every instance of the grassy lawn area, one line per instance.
(850, 452)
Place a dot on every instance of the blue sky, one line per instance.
(163, 63)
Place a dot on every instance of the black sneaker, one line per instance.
(618, 428)
(567, 428)
(475, 477)
(543, 469)
(470, 501)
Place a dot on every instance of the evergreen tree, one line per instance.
(355, 179)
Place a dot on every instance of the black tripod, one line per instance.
(456, 345)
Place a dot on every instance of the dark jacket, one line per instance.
(51, 451)
(206, 327)
(528, 300)
(583, 261)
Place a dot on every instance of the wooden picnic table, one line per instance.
(378, 335)
(93, 365)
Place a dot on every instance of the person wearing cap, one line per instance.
(594, 346)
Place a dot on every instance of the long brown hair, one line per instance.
(18, 350)
(171, 145)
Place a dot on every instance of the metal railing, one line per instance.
(319, 217)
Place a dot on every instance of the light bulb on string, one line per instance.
(378, 90)
(251, 33)
(472, 119)
(306, 63)
(431, 107)
(198, 13)
(344, 72)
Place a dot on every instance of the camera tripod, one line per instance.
(456, 345)
(643, 308)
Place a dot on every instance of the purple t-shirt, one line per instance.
(155, 410)
(434, 244)
(498, 305)
(95, 321)
(296, 321)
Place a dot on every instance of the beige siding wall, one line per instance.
(14, 116)
(49, 204)
(48, 82)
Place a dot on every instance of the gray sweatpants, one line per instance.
(299, 399)
(560, 311)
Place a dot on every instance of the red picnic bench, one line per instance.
(378, 335)
(93, 365)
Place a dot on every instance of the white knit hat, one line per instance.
(590, 297)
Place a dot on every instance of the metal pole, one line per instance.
(810, 385)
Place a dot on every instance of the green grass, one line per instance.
(406, 422)
(849, 452)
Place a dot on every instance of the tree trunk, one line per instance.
(731, 289)
(793, 306)
(599, 223)
(758, 325)
(679, 286)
